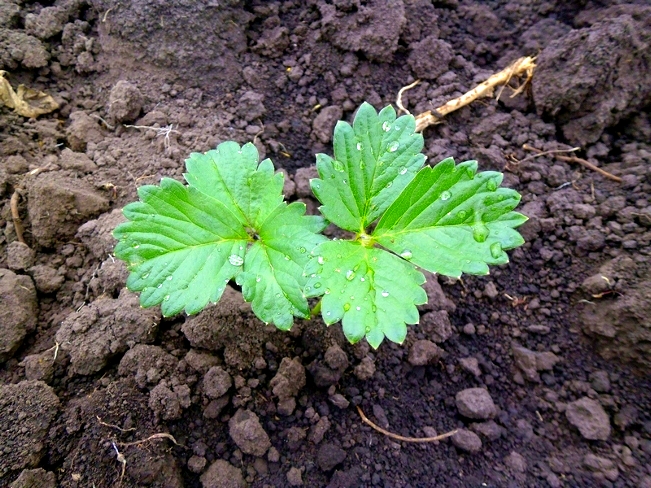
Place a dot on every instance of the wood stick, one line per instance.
(402, 438)
(574, 159)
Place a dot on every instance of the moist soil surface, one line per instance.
(541, 366)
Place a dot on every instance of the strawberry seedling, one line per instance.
(184, 243)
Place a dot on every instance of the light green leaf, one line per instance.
(183, 244)
(374, 160)
(373, 292)
(450, 220)
(232, 175)
(273, 277)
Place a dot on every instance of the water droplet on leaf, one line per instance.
(302, 250)
(386, 126)
(317, 285)
(393, 147)
(320, 260)
(350, 274)
(462, 214)
(496, 250)
(167, 297)
(406, 254)
(327, 291)
(346, 307)
(491, 185)
(287, 258)
(338, 166)
(389, 185)
(403, 171)
(385, 293)
(368, 329)
(445, 195)
(359, 146)
(480, 232)
(257, 280)
(235, 260)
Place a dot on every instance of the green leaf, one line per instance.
(372, 291)
(450, 220)
(273, 267)
(374, 160)
(183, 244)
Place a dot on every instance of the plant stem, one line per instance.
(316, 310)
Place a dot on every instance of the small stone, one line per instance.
(222, 474)
(46, 278)
(324, 123)
(329, 456)
(467, 441)
(516, 462)
(539, 329)
(489, 429)
(245, 430)
(318, 430)
(600, 381)
(469, 329)
(424, 352)
(525, 360)
(339, 401)
(490, 290)
(125, 102)
(273, 456)
(365, 369)
(471, 365)
(196, 464)
(294, 477)
(286, 407)
(20, 256)
(216, 382)
(589, 417)
(289, 379)
(475, 403)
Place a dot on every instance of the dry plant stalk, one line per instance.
(574, 159)
(15, 215)
(402, 438)
(520, 67)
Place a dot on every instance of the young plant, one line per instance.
(183, 244)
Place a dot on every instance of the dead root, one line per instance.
(25, 101)
(402, 438)
(519, 68)
(572, 159)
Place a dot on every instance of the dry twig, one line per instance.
(574, 159)
(520, 67)
(401, 107)
(153, 437)
(18, 223)
(113, 426)
(402, 438)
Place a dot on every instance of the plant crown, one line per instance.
(184, 243)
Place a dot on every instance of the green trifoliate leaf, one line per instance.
(374, 160)
(450, 220)
(184, 243)
(373, 292)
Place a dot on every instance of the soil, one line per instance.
(542, 366)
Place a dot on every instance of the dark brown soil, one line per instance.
(543, 365)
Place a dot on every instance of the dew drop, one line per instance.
(471, 173)
(350, 274)
(328, 314)
(136, 246)
(359, 146)
(406, 254)
(327, 291)
(317, 186)
(278, 295)
(344, 182)
(160, 286)
(338, 166)
(169, 278)
(302, 250)
(496, 250)
(167, 297)
(462, 214)
(317, 285)
(362, 165)
(386, 126)
(320, 260)
(385, 293)
(390, 184)
(257, 280)
(235, 260)
(145, 276)
(368, 329)
(287, 258)
(346, 307)
(362, 279)
(445, 195)
(480, 232)
(403, 171)
(491, 185)
(393, 147)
